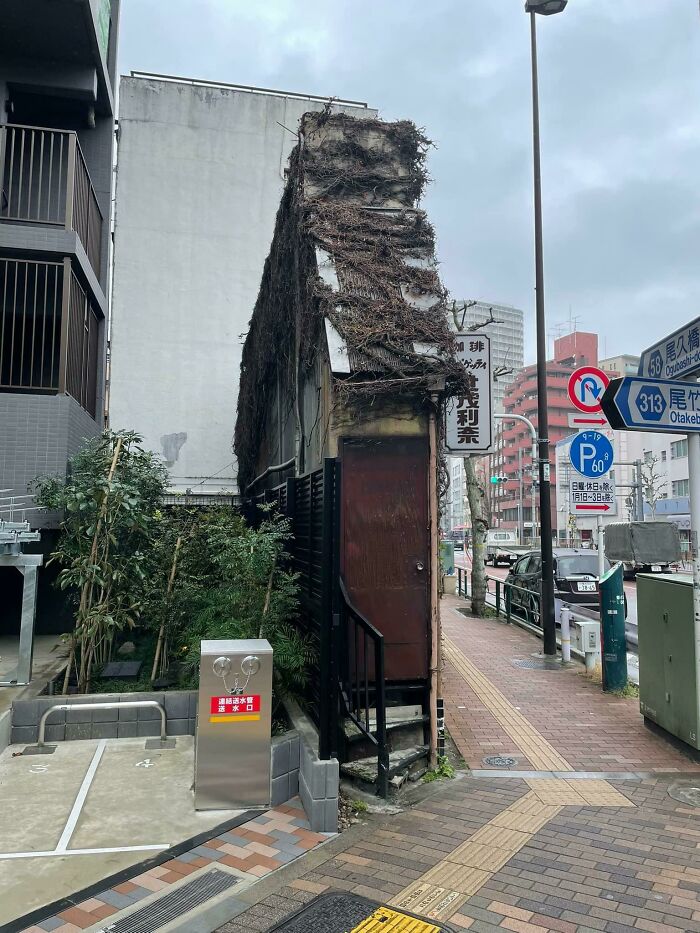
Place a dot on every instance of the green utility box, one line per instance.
(668, 682)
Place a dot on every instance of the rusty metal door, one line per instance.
(385, 545)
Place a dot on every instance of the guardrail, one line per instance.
(131, 704)
(502, 594)
(585, 628)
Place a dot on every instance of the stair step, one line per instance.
(366, 769)
(354, 734)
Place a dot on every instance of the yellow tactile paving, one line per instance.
(433, 901)
(444, 889)
(389, 921)
(534, 746)
(600, 794)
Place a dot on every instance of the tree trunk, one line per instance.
(479, 523)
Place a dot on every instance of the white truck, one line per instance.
(502, 547)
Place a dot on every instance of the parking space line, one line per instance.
(57, 853)
(74, 815)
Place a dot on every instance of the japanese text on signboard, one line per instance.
(584, 490)
(468, 416)
(231, 705)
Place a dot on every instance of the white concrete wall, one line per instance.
(199, 177)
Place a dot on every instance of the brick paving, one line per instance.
(255, 849)
(612, 869)
(568, 854)
(593, 731)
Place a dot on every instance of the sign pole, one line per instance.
(601, 547)
(639, 490)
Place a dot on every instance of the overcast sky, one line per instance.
(620, 111)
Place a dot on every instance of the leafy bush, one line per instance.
(178, 575)
(109, 499)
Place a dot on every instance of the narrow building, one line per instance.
(346, 363)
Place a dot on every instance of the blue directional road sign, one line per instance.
(591, 454)
(636, 404)
(676, 356)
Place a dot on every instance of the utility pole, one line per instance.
(521, 526)
(549, 632)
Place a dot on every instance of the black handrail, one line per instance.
(356, 686)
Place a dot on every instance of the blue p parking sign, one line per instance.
(591, 454)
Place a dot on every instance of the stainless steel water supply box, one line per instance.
(234, 721)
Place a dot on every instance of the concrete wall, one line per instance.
(199, 177)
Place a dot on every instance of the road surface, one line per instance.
(500, 573)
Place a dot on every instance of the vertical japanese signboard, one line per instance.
(468, 416)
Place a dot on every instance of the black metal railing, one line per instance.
(363, 684)
(507, 599)
(349, 649)
(311, 502)
(49, 331)
(44, 180)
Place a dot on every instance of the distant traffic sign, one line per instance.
(591, 454)
(591, 496)
(676, 356)
(586, 387)
(636, 404)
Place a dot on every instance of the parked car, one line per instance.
(575, 581)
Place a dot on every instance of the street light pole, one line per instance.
(547, 607)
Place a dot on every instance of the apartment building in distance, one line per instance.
(200, 172)
(513, 442)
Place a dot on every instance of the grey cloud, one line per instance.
(620, 97)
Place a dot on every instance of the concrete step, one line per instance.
(364, 770)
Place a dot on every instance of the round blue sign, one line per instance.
(591, 453)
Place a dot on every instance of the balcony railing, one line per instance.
(44, 181)
(49, 331)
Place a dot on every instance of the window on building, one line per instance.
(679, 449)
(680, 487)
(648, 456)
(663, 456)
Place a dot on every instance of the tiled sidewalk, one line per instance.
(561, 851)
(590, 730)
(254, 848)
(625, 866)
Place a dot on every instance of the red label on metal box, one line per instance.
(235, 706)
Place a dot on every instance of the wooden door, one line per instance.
(385, 545)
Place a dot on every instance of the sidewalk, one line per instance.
(561, 849)
(490, 697)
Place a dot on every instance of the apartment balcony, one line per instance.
(49, 332)
(44, 183)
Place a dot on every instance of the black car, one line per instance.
(575, 581)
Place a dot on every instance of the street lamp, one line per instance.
(545, 8)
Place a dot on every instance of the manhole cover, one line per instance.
(688, 794)
(538, 664)
(500, 761)
(342, 912)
